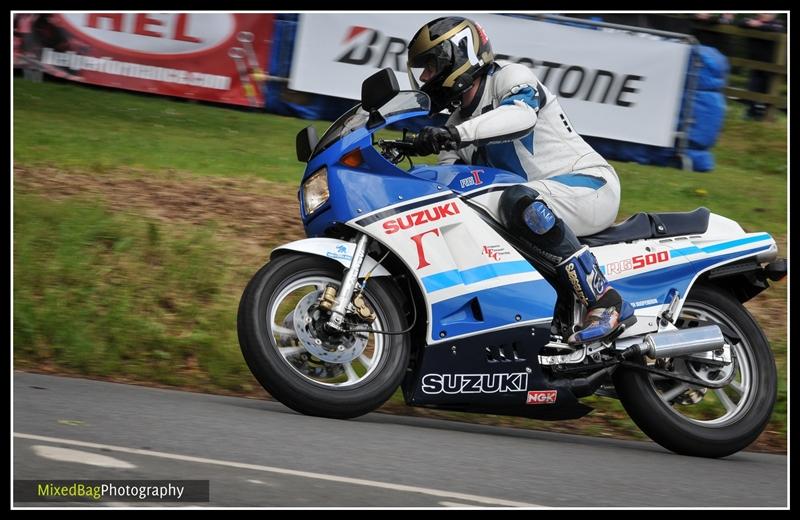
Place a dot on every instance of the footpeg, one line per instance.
(564, 359)
(588, 350)
(559, 345)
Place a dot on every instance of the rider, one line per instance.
(504, 117)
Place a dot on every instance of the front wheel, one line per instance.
(290, 354)
(695, 420)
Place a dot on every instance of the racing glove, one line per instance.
(434, 139)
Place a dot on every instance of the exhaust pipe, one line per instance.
(684, 342)
(674, 343)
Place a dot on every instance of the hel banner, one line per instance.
(612, 84)
(208, 56)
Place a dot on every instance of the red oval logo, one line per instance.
(154, 34)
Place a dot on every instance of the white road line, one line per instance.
(444, 503)
(282, 471)
(80, 457)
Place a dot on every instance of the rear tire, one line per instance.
(745, 404)
(301, 391)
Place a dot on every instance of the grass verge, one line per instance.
(145, 288)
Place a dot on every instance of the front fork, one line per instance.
(338, 306)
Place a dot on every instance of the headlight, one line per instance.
(315, 190)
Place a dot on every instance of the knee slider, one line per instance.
(539, 218)
(513, 203)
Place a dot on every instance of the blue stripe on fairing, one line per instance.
(657, 284)
(453, 277)
(691, 250)
(579, 180)
(439, 281)
(500, 306)
(535, 299)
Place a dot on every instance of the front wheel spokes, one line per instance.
(351, 373)
(288, 352)
(323, 366)
(365, 361)
(283, 331)
(286, 332)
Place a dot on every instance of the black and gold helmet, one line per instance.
(454, 51)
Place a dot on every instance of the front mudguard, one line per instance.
(335, 249)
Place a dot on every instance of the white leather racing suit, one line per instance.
(516, 124)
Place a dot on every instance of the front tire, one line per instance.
(697, 421)
(292, 373)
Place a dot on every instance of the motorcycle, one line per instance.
(407, 280)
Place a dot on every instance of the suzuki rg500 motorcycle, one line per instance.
(406, 280)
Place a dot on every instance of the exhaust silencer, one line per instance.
(684, 342)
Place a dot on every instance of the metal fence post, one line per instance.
(775, 85)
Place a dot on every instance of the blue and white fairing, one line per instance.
(647, 272)
(474, 281)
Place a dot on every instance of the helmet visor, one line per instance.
(429, 65)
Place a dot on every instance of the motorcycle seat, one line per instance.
(651, 225)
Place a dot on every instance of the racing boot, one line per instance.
(576, 269)
(606, 311)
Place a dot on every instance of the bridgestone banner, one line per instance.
(613, 84)
(207, 56)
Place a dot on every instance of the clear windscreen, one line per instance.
(357, 117)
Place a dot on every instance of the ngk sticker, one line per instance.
(542, 397)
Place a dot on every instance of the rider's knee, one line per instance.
(520, 207)
(513, 203)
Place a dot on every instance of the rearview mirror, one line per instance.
(305, 143)
(378, 89)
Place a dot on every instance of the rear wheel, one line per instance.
(696, 420)
(297, 361)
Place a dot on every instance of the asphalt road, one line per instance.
(262, 454)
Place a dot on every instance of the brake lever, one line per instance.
(397, 150)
